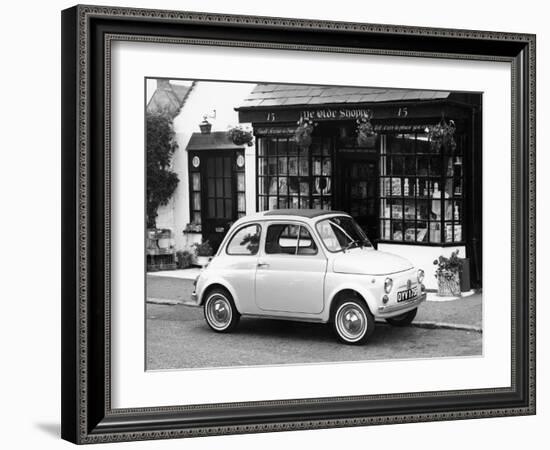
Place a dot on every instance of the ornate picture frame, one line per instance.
(88, 33)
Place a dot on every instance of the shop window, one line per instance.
(293, 177)
(421, 190)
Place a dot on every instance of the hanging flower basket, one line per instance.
(240, 136)
(302, 136)
(442, 135)
(366, 136)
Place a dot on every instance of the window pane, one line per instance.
(435, 232)
(283, 186)
(245, 242)
(262, 166)
(293, 185)
(197, 201)
(196, 181)
(240, 182)
(304, 166)
(306, 244)
(228, 208)
(241, 204)
(281, 239)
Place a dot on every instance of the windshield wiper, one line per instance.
(347, 247)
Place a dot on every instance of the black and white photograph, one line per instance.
(303, 223)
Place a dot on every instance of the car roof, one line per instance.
(288, 214)
(307, 213)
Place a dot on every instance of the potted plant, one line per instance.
(240, 136)
(366, 136)
(302, 136)
(448, 275)
(442, 134)
(192, 227)
(203, 252)
(184, 259)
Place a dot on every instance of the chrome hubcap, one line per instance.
(351, 322)
(218, 311)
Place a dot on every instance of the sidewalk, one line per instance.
(174, 287)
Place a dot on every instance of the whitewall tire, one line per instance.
(220, 312)
(353, 323)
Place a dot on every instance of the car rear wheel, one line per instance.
(353, 322)
(404, 319)
(220, 312)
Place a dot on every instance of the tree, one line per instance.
(161, 180)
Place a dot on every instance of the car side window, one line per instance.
(246, 241)
(306, 244)
(289, 239)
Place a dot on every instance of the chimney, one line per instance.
(205, 126)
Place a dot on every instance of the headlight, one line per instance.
(388, 284)
(420, 275)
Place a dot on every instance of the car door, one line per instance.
(237, 264)
(290, 271)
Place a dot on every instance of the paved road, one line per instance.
(178, 337)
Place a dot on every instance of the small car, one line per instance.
(307, 265)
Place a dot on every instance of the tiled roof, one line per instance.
(168, 99)
(217, 140)
(264, 95)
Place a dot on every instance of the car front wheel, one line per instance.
(353, 322)
(220, 312)
(404, 319)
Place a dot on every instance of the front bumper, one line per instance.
(403, 307)
(194, 297)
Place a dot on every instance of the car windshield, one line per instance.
(341, 233)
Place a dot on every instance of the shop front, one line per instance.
(411, 197)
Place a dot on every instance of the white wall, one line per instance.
(203, 99)
(423, 257)
(30, 189)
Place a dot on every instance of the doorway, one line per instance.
(217, 196)
(359, 193)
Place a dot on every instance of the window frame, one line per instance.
(300, 225)
(232, 236)
(442, 178)
(325, 153)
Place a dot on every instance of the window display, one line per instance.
(290, 176)
(420, 190)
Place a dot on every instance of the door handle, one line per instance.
(262, 264)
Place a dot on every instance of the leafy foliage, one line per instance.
(240, 136)
(365, 130)
(161, 180)
(446, 267)
(303, 133)
(203, 248)
(442, 134)
(184, 258)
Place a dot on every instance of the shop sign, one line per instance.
(336, 114)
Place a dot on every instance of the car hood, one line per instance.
(368, 261)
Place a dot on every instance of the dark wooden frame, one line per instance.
(87, 33)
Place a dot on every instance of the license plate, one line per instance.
(403, 296)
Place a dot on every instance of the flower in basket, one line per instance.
(303, 132)
(448, 274)
(365, 132)
(240, 136)
(442, 134)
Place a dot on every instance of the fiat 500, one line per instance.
(310, 266)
